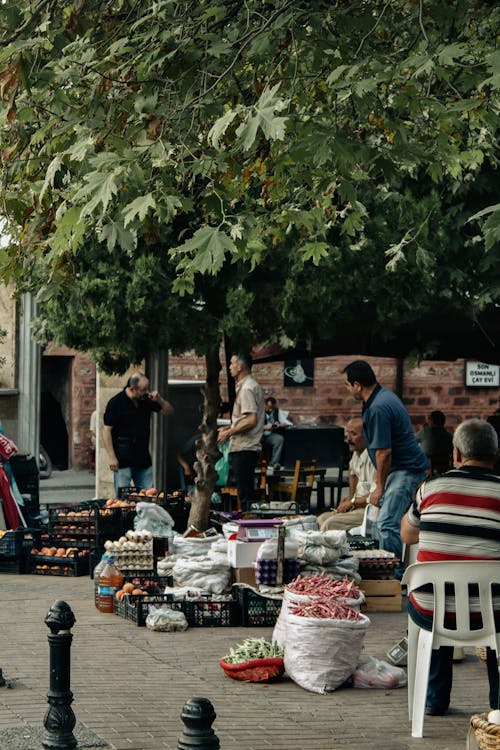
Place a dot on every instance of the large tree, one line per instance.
(173, 170)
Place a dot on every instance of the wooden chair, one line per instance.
(229, 494)
(300, 486)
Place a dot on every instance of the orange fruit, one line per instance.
(128, 588)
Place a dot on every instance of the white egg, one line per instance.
(108, 544)
(494, 716)
(122, 539)
(129, 534)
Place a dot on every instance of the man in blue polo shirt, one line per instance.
(400, 464)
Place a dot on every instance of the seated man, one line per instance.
(436, 442)
(275, 420)
(351, 510)
(456, 516)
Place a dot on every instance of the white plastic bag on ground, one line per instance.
(320, 655)
(376, 673)
(166, 620)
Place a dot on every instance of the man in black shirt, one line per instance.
(126, 432)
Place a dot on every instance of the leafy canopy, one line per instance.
(172, 169)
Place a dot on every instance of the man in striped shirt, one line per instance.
(456, 516)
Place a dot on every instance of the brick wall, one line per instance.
(427, 386)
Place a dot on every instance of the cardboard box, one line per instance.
(245, 575)
(242, 554)
(382, 596)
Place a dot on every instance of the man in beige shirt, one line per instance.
(245, 431)
(351, 510)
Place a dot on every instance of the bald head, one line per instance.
(354, 434)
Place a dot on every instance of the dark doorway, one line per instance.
(187, 401)
(55, 408)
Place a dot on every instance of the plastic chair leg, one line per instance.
(413, 631)
(424, 652)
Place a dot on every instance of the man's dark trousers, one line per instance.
(243, 465)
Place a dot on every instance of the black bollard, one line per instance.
(2, 679)
(198, 716)
(59, 720)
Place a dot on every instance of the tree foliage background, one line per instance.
(174, 169)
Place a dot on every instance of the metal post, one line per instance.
(2, 679)
(198, 716)
(59, 720)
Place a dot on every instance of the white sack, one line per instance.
(193, 546)
(203, 573)
(320, 655)
(268, 550)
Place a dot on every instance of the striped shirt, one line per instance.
(458, 514)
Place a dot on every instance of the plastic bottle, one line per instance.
(97, 572)
(110, 580)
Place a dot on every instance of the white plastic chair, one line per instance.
(421, 642)
(366, 525)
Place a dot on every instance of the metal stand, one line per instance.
(198, 716)
(59, 720)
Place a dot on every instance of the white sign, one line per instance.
(479, 375)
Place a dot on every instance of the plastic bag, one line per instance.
(268, 550)
(155, 519)
(193, 546)
(320, 655)
(376, 673)
(222, 465)
(204, 573)
(166, 620)
(321, 547)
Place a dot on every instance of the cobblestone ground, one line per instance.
(130, 683)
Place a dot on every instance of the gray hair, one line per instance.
(476, 439)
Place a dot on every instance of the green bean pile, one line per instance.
(253, 648)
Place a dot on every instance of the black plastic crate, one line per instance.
(204, 612)
(15, 565)
(17, 543)
(46, 565)
(257, 609)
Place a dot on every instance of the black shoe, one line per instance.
(435, 711)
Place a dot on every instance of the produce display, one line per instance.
(254, 660)
(329, 609)
(134, 551)
(325, 587)
(253, 648)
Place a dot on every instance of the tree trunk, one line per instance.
(207, 452)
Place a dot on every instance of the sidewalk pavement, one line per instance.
(69, 487)
(130, 683)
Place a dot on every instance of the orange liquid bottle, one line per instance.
(110, 580)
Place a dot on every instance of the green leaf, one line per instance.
(70, 231)
(114, 233)
(205, 252)
(273, 127)
(53, 168)
(220, 126)
(487, 210)
(451, 52)
(139, 207)
(314, 251)
(101, 187)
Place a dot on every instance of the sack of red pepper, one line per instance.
(321, 632)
